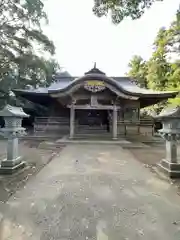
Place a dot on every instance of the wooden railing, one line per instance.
(43, 124)
(61, 124)
(138, 124)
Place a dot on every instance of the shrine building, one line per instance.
(93, 102)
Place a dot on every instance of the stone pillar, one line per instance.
(114, 122)
(170, 118)
(72, 120)
(171, 150)
(13, 158)
(12, 131)
(170, 165)
(12, 148)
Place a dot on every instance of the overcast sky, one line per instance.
(82, 39)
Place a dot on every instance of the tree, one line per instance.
(162, 71)
(138, 71)
(163, 67)
(158, 65)
(173, 36)
(155, 72)
(22, 45)
(121, 9)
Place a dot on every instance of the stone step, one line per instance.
(93, 135)
(103, 132)
(90, 128)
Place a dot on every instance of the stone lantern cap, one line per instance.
(11, 111)
(170, 118)
(169, 113)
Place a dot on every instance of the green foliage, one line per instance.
(138, 71)
(22, 44)
(157, 74)
(158, 66)
(162, 71)
(121, 9)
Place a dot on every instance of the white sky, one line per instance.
(82, 39)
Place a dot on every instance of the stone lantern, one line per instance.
(13, 129)
(170, 131)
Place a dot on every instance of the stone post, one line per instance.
(170, 165)
(114, 122)
(72, 120)
(171, 148)
(170, 132)
(12, 152)
(13, 119)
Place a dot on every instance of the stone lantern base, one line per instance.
(172, 170)
(11, 166)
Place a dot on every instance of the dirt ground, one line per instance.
(150, 156)
(93, 191)
(153, 150)
(38, 153)
(36, 156)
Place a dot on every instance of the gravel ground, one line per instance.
(36, 156)
(93, 192)
(150, 156)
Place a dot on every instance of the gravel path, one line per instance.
(36, 157)
(93, 192)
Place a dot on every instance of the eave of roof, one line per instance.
(126, 86)
(29, 92)
(123, 84)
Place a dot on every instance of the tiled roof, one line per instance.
(64, 80)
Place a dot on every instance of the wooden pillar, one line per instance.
(138, 119)
(124, 120)
(72, 120)
(114, 122)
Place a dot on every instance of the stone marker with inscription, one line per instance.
(170, 118)
(12, 131)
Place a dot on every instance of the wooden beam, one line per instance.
(100, 107)
(120, 94)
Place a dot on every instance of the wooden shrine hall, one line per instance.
(91, 103)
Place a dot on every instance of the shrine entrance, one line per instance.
(92, 117)
(92, 121)
(94, 104)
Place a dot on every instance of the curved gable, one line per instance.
(110, 83)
